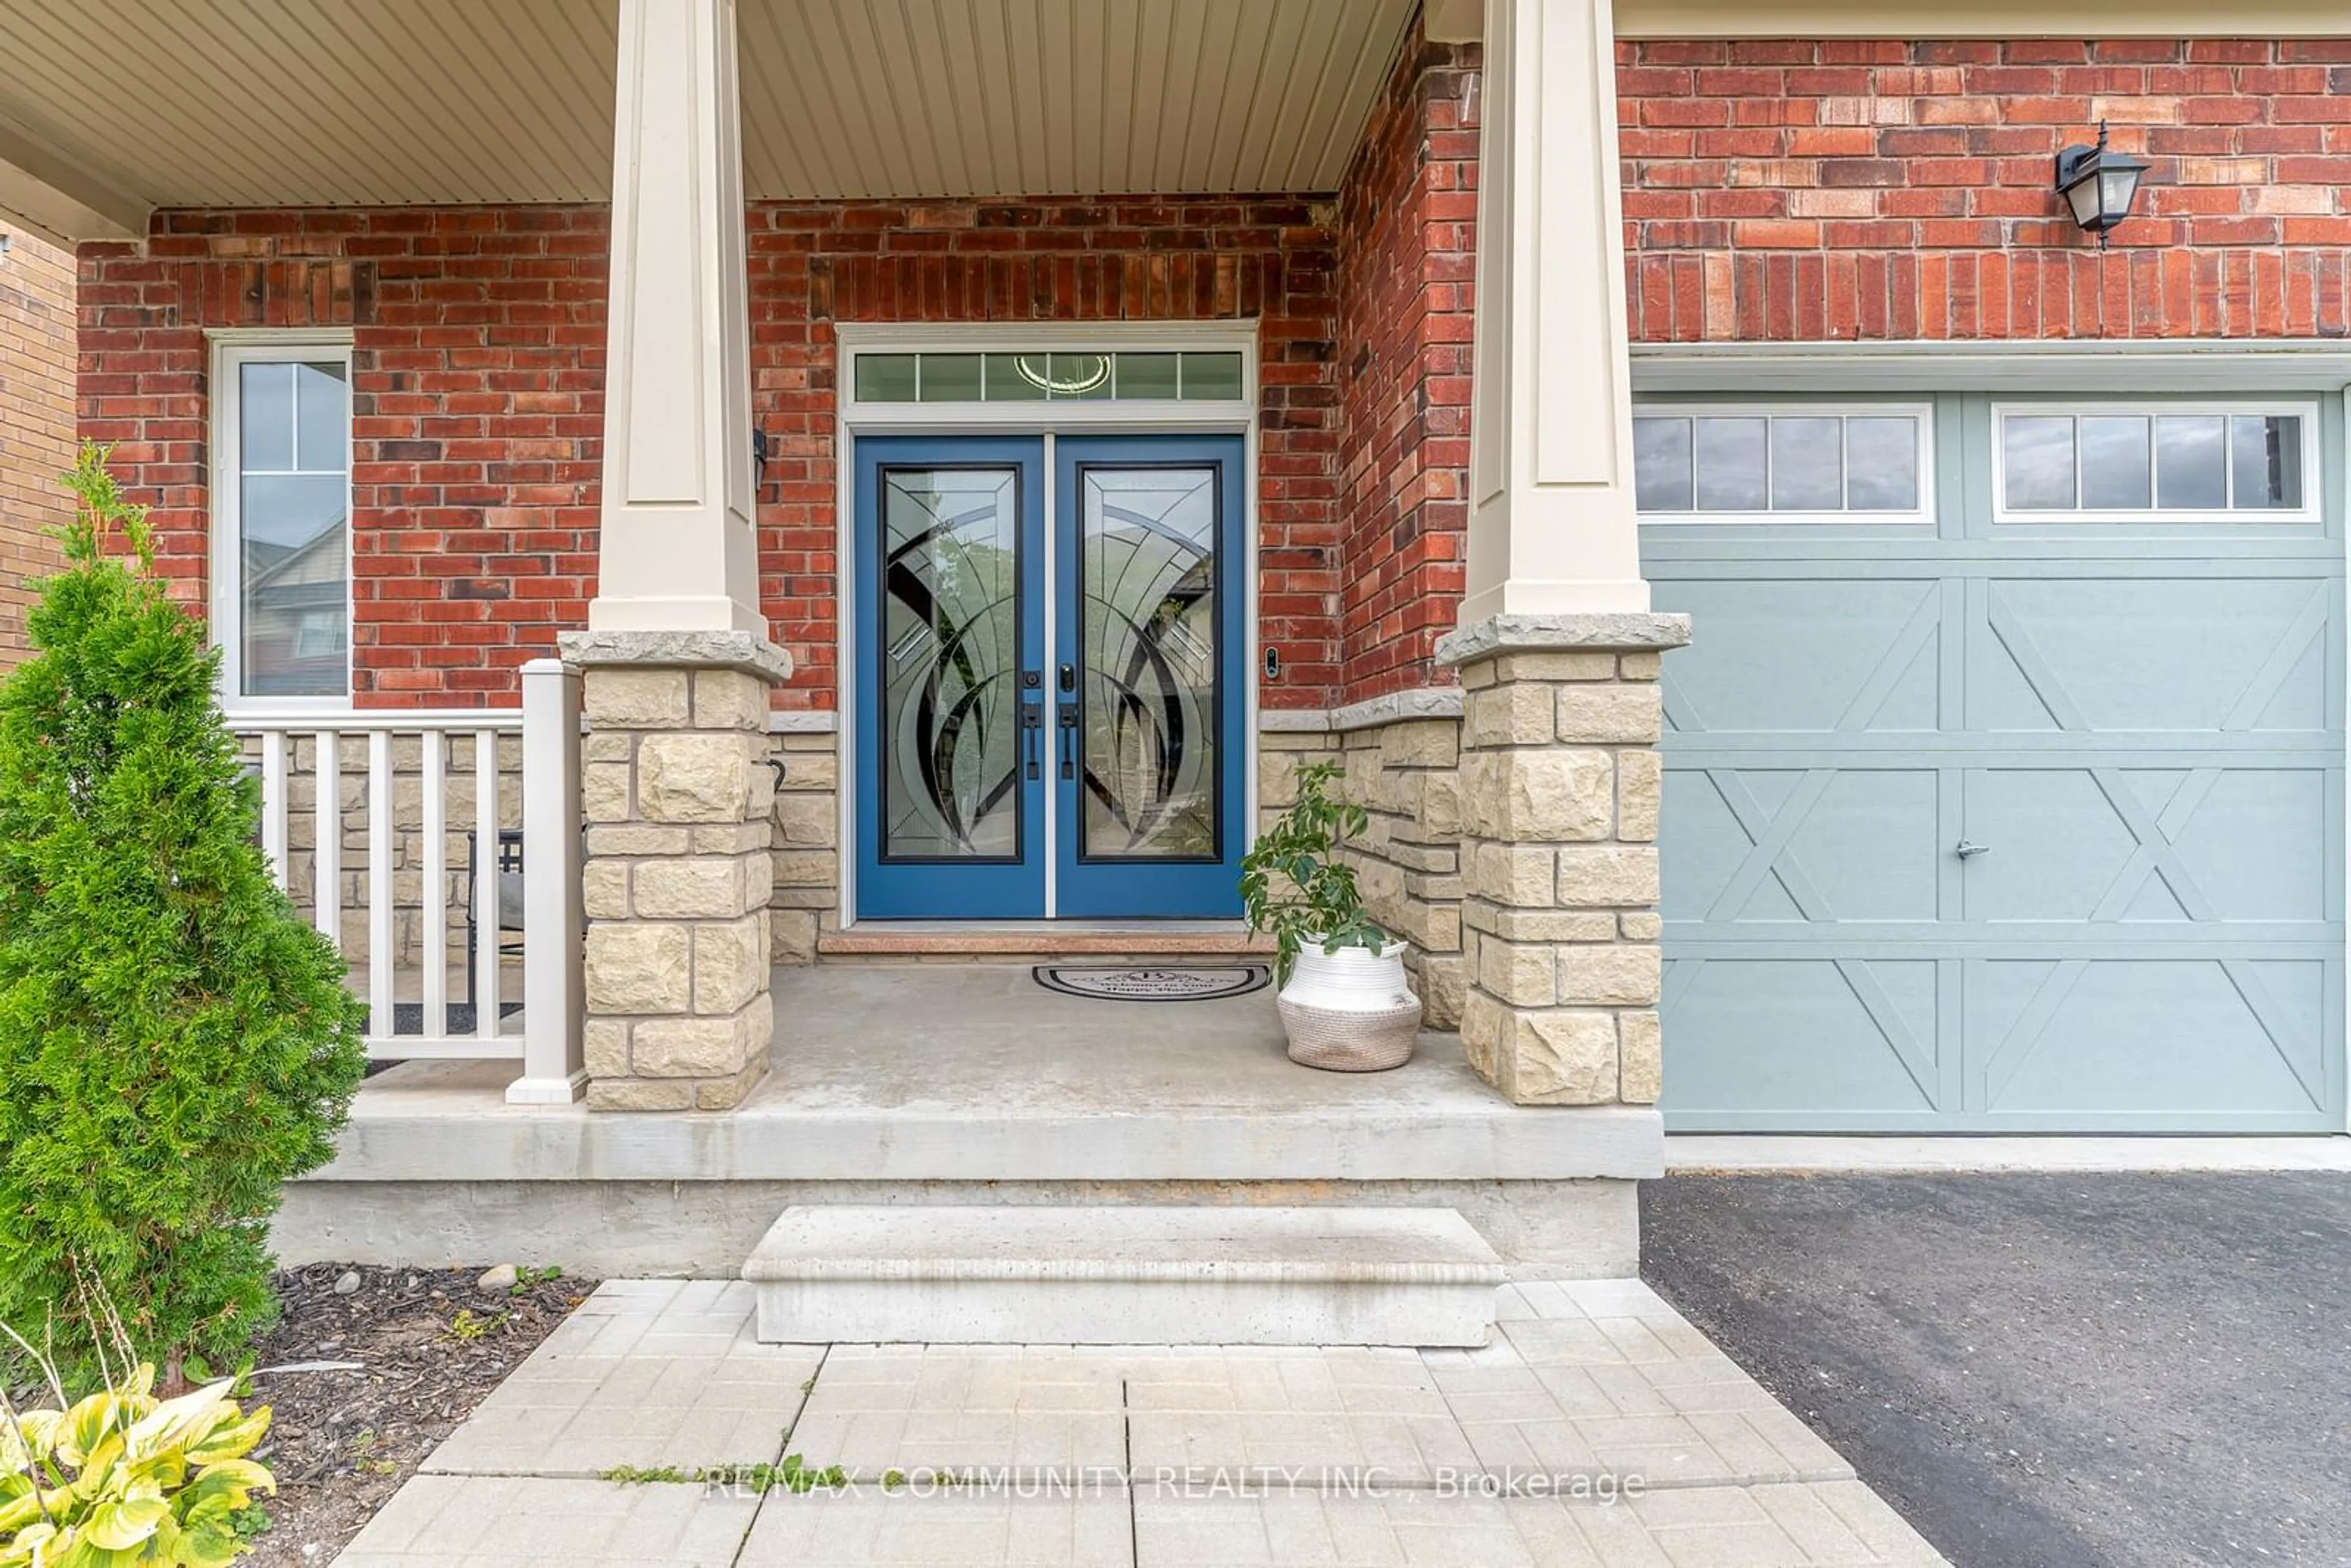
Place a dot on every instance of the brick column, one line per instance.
(1560, 788)
(678, 798)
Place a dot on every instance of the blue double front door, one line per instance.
(1050, 654)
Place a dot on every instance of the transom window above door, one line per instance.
(1051, 376)
(1719, 463)
(2171, 458)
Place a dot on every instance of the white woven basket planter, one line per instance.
(1350, 1011)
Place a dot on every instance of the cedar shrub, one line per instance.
(175, 1040)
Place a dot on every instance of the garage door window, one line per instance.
(2184, 462)
(1718, 464)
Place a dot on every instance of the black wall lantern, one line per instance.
(2099, 186)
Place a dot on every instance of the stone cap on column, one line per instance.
(744, 651)
(1614, 631)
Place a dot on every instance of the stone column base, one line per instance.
(677, 799)
(1560, 786)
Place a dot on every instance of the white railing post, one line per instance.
(554, 1070)
(274, 837)
(434, 959)
(327, 853)
(488, 885)
(379, 879)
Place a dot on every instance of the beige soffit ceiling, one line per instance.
(1005, 97)
(112, 107)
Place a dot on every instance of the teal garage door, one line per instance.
(2005, 775)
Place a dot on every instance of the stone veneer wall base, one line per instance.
(677, 878)
(1401, 760)
(1560, 786)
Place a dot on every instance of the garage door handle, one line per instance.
(1968, 851)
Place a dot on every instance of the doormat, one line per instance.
(1199, 983)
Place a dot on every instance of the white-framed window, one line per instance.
(2118, 460)
(281, 551)
(1721, 462)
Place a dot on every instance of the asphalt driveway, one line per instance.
(2046, 1371)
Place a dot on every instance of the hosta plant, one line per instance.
(1294, 882)
(123, 1477)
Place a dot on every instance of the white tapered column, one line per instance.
(677, 552)
(676, 662)
(1552, 525)
(1558, 652)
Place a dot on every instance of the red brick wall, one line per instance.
(477, 388)
(477, 414)
(1407, 215)
(1122, 258)
(1774, 189)
(1807, 191)
(37, 422)
(1856, 189)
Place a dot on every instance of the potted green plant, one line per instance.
(1345, 1000)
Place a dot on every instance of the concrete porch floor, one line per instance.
(944, 1082)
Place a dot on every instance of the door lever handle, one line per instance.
(1032, 719)
(1968, 851)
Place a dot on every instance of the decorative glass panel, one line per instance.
(2115, 462)
(1148, 375)
(2190, 462)
(1213, 378)
(1016, 378)
(1881, 462)
(950, 663)
(293, 501)
(2039, 457)
(2265, 461)
(1733, 458)
(1147, 642)
(1807, 465)
(887, 378)
(1083, 378)
(1661, 464)
(950, 378)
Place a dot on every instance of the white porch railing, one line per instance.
(403, 882)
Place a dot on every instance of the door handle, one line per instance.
(1032, 719)
(1069, 728)
(1968, 851)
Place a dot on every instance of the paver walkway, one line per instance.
(1600, 1430)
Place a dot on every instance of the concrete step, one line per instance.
(1121, 1274)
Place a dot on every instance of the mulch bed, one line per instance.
(341, 1440)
